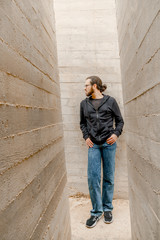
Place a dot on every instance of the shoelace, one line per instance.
(109, 214)
(94, 217)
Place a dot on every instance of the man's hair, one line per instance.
(96, 80)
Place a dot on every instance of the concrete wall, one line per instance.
(139, 40)
(87, 45)
(33, 203)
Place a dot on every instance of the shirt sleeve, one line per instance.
(83, 123)
(118, 119)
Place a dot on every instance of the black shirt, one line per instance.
(96, 102)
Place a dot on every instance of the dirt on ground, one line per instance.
(118, 230)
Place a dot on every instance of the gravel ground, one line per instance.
(118, 230)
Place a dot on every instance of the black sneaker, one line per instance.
(92, 221)
(108, 218)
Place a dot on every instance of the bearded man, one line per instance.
(98, 113)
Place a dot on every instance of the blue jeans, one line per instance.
(105, 152)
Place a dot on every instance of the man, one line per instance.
(97, 114)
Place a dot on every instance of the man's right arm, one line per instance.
(83, 123)
(83, 127)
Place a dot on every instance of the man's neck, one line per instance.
(97, 95)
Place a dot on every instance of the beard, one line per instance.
(90, 92)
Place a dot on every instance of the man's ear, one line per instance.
(95, 86)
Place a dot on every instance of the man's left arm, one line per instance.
(118, 119)
(118, 123)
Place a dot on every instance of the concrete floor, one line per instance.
(118, 230)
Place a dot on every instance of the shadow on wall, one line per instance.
(32, 168)
(139, 42)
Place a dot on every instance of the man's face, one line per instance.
(88, 88)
